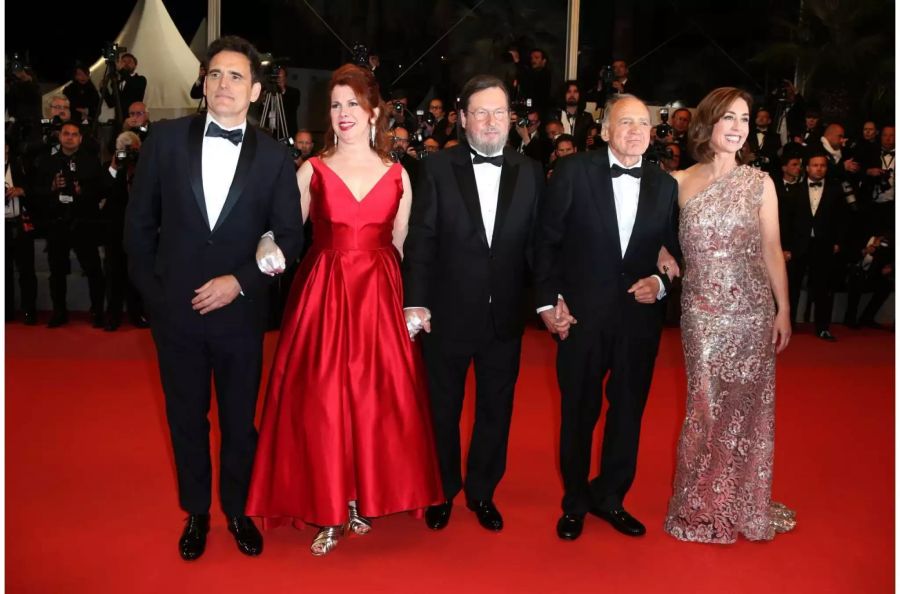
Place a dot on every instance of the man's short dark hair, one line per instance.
(813, 153)
(129, 55)
(563, 138)
(477, 83)
(690, 115)
(233, 43)
(537, 49)
(72, 124)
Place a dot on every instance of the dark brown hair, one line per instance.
(709, 112)
(233, 43)
(365, 87)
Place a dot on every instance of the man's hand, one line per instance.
(618, 86)
(416, 316)
(851, 166)
(667, 264)
(14, 192)
(787, 256)
(558, 320)
(216, 293)
(58, 183)
(269, 257)
(837, 248)
(645, 290)
(524, 134)
(874, 171)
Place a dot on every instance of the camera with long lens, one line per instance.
(521, 107)
(663, 129)
(657, 152)
(50, 127)
(126, 157)
(111, 52)
(360, 55)
(607, 75)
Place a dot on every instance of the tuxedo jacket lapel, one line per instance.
(195, 156)
(468, 190)
(241, 175)
(508, 178)
(604, 200)
(645, 206)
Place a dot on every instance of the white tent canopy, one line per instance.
(163, 57)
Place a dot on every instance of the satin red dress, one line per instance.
(346, 415)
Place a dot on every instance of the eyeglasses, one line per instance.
(481, 115)
(136, 113)
(399, 139)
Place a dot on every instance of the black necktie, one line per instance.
(234, 136)
(476, 159)
(616, 171)
(817, 184)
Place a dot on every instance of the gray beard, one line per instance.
(487, 149)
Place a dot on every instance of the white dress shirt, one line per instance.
(815, 197)
(220, 157)
(568, 121)
(487, 179)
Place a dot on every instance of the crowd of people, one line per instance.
(450, 232)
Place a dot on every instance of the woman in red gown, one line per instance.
(346, 427)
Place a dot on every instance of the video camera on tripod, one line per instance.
(273, 117)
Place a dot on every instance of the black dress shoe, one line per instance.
(249, 540)
(97, 319)
(112, 323)
(487, 513)
(139, 321)
(569, 526)
(826, 335)
(29, 318)
(193, 539)
(59, 318)
(621, 520)
(438, 516)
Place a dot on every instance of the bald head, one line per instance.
(834, 134)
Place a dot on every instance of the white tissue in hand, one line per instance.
(414, 324)
(272, 263)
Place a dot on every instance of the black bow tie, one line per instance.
(616, 171)
(884, 153)
(817, 184)
(234, 136)
(476, 159)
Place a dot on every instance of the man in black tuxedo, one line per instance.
(602, 226)
(205, 190)
(811, 236)
(765, 143)
(464, 275)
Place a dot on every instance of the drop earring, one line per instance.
(372, 135)
(335, 139)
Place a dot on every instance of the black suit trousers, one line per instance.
(496, 364)
(20, 258)
(819, 263)
(624, 359)
(187, 363)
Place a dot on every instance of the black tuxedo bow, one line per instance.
(235, 136)
(616, 171)
(496, 160)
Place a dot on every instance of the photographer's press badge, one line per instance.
(66, 199)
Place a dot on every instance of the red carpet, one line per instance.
(91, 504)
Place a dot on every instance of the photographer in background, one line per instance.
(879, 179)
(442, 130)
(528, 139)
(789, 110)
(84, 98)
(19, 243)
(574, 119)
(764, 143)
(404, 154)
(304, 146)
(116, 189)
(290, 98)
(534, 79)
(23, 104)
(137, 120)
(671, 158)
(873, 272)
(130, 85)
(399, 113)
(197, 89)
(66, 190)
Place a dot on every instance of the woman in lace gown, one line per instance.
(346, 427)
(731, 331)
